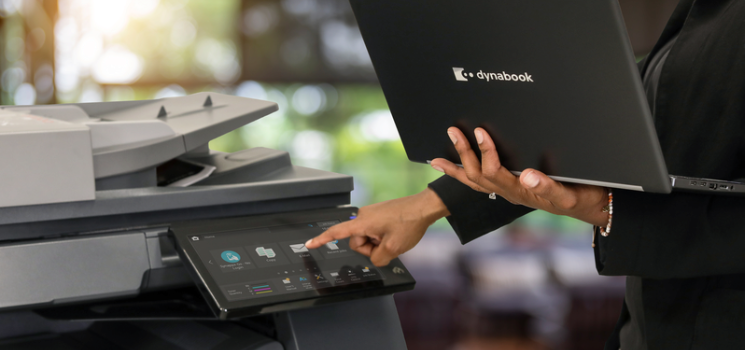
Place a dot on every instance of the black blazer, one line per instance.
(684, 253)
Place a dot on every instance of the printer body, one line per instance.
(83, 219)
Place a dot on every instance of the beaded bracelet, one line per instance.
(608, 209)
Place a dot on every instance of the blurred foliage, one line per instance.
(381, 168)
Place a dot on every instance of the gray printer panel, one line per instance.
(93, 266)
(116, 246)
(67, 270)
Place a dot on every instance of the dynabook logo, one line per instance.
(460, 75)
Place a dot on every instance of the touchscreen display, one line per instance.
(270, 261)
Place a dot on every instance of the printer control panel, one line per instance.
(260, 264)
(274, 260)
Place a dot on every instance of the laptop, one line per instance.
(555, 84)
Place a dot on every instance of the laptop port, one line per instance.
(694, 183)
(703, 183)
(712, 186)
(724, 187)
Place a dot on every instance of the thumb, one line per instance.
(543, 186)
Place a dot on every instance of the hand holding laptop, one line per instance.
(532, 189)
(385, 230)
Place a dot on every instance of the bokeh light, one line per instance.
(117, 65)
(25, 94)
(378, 126)
(308, 100)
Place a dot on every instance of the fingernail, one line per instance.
(453, 138)
(531, 180)
(438, 168)
(479, 136)
(309, 242)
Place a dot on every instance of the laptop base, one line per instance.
(692, 184)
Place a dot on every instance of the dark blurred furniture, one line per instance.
(427, 313)
(592, 317)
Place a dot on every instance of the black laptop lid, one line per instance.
(553, 82)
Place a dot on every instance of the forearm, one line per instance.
(431, 207)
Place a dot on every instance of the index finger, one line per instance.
(339, 231)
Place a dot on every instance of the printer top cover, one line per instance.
(55, 153)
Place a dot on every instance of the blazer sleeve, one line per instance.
(677, 235)
(472, 213)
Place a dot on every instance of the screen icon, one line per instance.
(270, 254)
(229, 259)
(366, 269)
(303, 279)
(319, 277)
(333, 245)
(267, 252)
(298, 248)
(194, 238)
(262, 289)
(334, 274)
(286, 281)
(230, 256)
